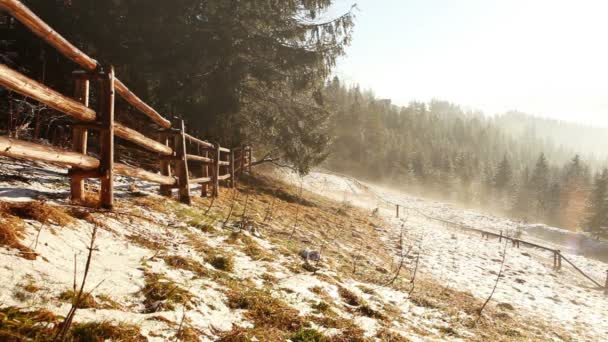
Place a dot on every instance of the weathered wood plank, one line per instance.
(182, 165)
(201, 180)
(199, 141)
(26, 86)
(134, 136)
(20, 149)
(79, 138)
(135, 172)
(199, 158)
(45, 32)
(106, 137)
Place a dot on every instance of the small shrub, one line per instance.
(368, 311)
(349, 297)
(308, 335)
(222, 262)
(187, 334)
(321, 307)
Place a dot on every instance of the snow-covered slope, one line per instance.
(464, 260)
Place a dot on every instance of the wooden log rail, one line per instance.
(37, 26)
(557, 254)
(218, 163)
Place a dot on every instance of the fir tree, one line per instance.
(597, 205)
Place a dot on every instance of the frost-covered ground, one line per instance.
(463, 260)
(120, 264)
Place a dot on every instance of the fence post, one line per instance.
(106, 137)
(205, 185)
(216, 170)
(554, 259)
(250, 160)
(182, 164)
(79, 135)
(242, 164)
(606, 286)
(165, 166)
(232, 173)
(559, 260)
(500, 237)
(397, 210)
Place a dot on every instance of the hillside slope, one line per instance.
(229, 269)
(462, 259)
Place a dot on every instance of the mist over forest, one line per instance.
(513, 164)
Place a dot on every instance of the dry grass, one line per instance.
(37, 211)
(103, 331)
(161, 293)
(349, 297)
(248, 245)
(12, 226)
(11, 232)
(222, 262)
(19, 325)
(145, 242)
(274, 320)
(106, 302)
(87, 301)
(185, 263)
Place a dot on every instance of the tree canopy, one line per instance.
(238, 71)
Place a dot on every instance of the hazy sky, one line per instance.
(543, 57)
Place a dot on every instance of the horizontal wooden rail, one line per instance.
(30, 20)
(24, 85)
(198, 141)
(200, 180)
(141, 140)
(21, 84)
(199, 158)
(224, 177)
(135, 172)
(223, 163)
(581, 272)
(31, 151)
(136, 102)
(225, 150)
(44, 31)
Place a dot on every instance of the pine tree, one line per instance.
(597, 205)
(504, 174)
(539, 185)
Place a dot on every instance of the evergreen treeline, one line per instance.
(438, 149)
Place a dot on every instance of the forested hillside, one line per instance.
(441, 150)
(568, 135)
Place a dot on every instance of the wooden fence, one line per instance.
(558, 257)
(174, 146)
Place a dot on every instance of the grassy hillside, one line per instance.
(228, 269)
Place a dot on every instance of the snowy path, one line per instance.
(465, 261)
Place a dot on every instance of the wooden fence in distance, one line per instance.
(172, 144)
